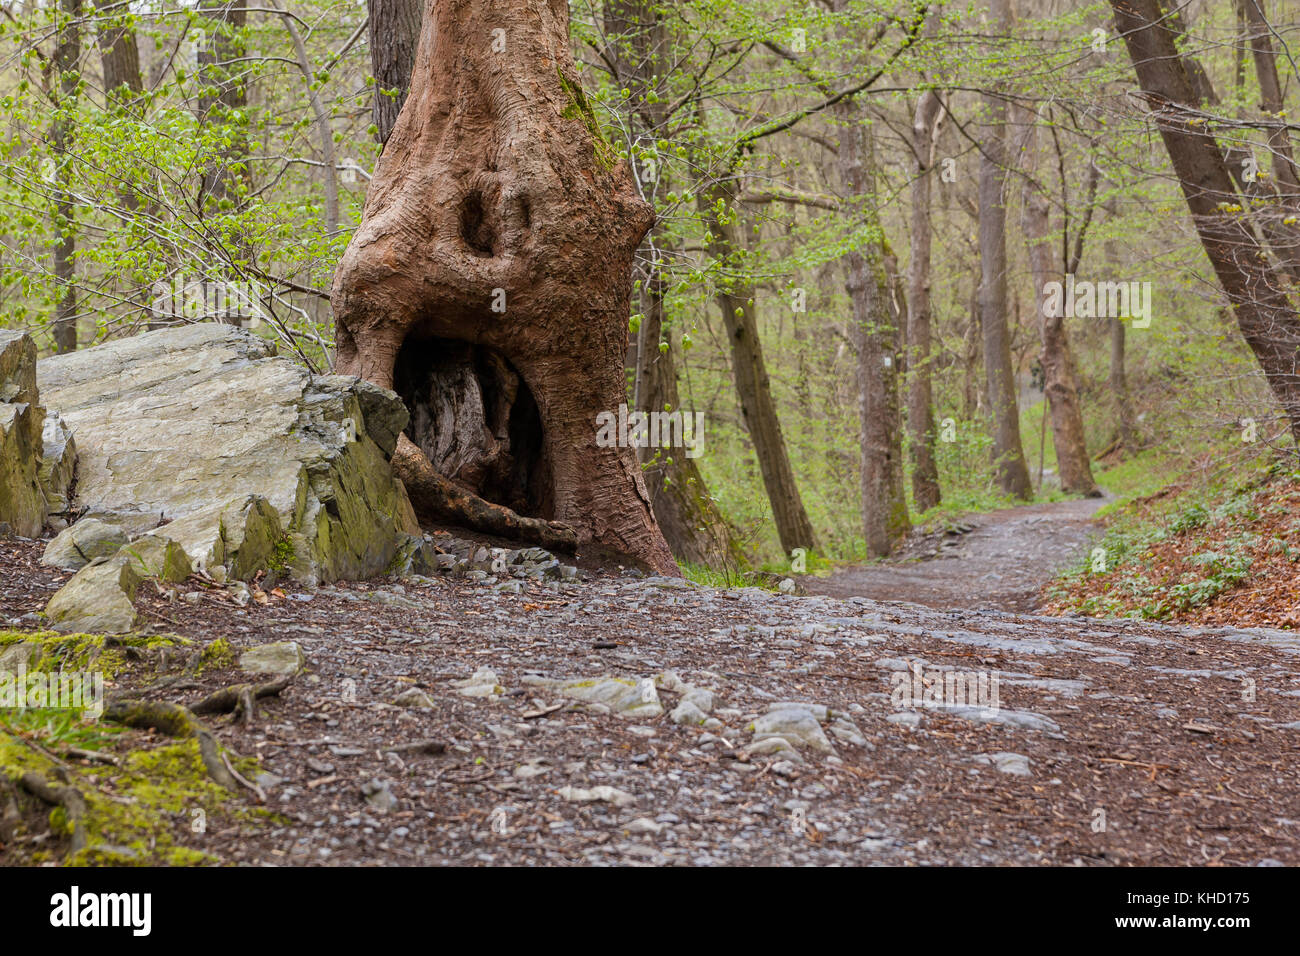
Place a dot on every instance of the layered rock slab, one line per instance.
(243, 458)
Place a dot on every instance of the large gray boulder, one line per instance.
(243, 458)
(22, 502)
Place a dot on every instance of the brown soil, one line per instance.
(1149, 730)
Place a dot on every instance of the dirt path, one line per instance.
(1000, 564)
(730, 727)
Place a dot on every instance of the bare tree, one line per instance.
(1257, 295)
(1057, 360)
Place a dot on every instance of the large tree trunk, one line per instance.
(394, 33)
(66, 55)
(1059, 376)
(920, 405)
(753, 387)
(1008, 456)
(1264, 314)
(489, 278)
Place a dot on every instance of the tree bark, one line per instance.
(1118, 374)
(66, 55)
(1264, 314)
(119, 53)
(1057, 360)
(226, 180)
(1270, 94)
(753, 387)
(394, 33)
(874, 333)
(920, 404)
(690, 519)
(501, 224)
(1008, 456)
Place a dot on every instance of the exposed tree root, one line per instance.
(434, 496)
(175, 721)
(239, 698)
(242, 781)
(67, 797)
(419, 747)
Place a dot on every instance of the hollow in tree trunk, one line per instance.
(488, 282)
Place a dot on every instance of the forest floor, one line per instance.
(1107, 743)
(998, 560)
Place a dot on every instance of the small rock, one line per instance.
(482, 683)
(414, 697)
(620, 798)
(378, 794)
(75, 547)
(282, 659)
(795, 725)
(1015, 764)
(623, 696)
(688, 714)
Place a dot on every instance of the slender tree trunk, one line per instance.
(1056, 357)
(1008, 456)
(119, 53)
(1118, 377)
(972, 391)
(66, 55)
(873, 333)
(1264, 313)
(753, 387)
(226, 180)
(895, 373)
(324, 129)
(1118, 383)
(1270, 94)
(690, 519)
(920, 406)
(394, 33)
(495, 251)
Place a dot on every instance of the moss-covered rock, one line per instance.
(22, 502)
(98, 598)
